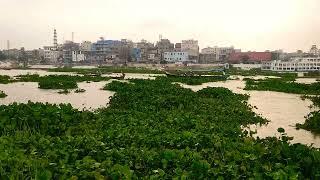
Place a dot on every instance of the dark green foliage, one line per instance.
(53, 81)
(221, 93)
(282, 85)
(57, 84)
(2, 56)
(45, 119)
(312, 122)
(152, 129)
(4, 79)
(256, 72)
(193, 80)
(315, 99)
(2, 94)
(59, 81)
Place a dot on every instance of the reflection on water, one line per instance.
(281, 109)
(23, 92)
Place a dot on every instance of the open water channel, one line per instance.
(281, 109)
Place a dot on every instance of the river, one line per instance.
(281, 109)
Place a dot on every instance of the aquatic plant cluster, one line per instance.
(4, 79)
(65, 81)
(312, 122)
(3, 94)
(53, 81)
(152, 129)
(282, 85)
(193, 80)
(259, 72)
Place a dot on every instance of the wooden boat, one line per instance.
(120, 77)
(171, 75)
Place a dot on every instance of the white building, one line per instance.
(176, 56)
(246, 66)
(78, 56)
(51, 54)
(191, 46)
(208, 50)
(296, 64)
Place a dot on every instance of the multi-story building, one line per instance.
(125, 51)
(207, 58)
(136, 54)
(174, 57)
(221, 53)
(78, 56)
(177, 47)
(69, 47)
(296, 64)
(314, 51)
(86, 50)
(106, 49)
(145, 48)
(51, 54)
(35, 55)
(151, 56)
(250, 57)
(164, 45)
(191, 46)
(86, 46)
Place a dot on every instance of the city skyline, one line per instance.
(249, 25)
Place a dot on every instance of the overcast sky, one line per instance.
(247, 24)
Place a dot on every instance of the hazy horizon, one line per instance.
(248, 24)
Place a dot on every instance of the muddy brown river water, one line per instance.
(281, 109)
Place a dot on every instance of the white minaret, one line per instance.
(55, 41)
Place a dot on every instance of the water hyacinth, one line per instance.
(152, 129)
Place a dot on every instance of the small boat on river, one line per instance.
(119, 77)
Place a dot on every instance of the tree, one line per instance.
(2, 56)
